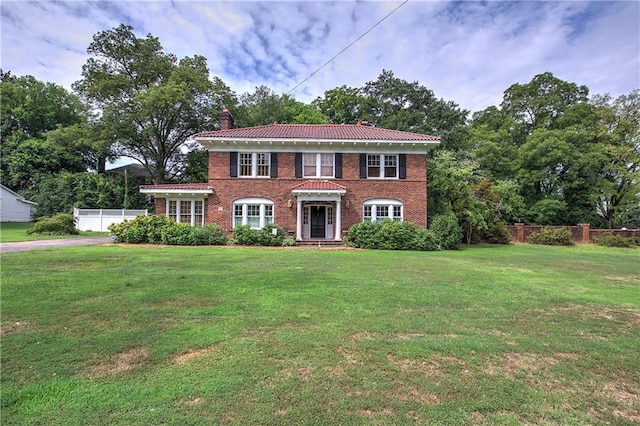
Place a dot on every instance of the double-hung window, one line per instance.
(378, 210)
(186, 211)
(255, 212)
(382, 166)
(318, 165)
(254, 164)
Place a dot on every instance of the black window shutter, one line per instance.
(402, 169)
(298, 165)
(338, 158)
(274, 165)
(233, 164)
(363, 166)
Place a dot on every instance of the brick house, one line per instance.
(315, 181)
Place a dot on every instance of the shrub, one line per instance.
(268, 237)
(551, 237)
(244, 235)
(424, 240)
(363, 235)
(59, 224)
(211, 235)
(497, 233)
(616, 240)
(142, 229)
(390, 235)
(179, 234)
(395, 235)
(447, 232)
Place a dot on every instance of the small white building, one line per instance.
(14, 207)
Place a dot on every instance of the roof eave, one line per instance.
(321, 145)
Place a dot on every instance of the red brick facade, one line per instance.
(306, 207)
(412, 191)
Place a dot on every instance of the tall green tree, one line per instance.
(393, 103)
(264, 106)
(29, 109)
(151, 102)
(617, 186)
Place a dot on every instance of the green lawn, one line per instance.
(123, 335)
(11, 232)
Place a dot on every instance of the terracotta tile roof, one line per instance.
(177, 187)
(319, 185)
(316, 131)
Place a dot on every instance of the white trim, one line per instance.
(245, 203)
(192, 207)
(164, 193)
(382, 202)
(326, 146)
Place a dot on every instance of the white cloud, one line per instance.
(468, 52)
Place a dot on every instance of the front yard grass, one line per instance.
(508, 335)
(11, 232)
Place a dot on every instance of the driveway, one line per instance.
(46, 244)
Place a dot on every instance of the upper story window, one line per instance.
(378, 210)
(317, 165)
(254, 164)
(382, 166)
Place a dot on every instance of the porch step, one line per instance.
(320, 243)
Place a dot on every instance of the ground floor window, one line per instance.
(378, 210)
(255, 212)
(186, 211)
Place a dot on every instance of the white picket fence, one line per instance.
(99, 219)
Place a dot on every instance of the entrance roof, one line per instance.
(319, 188)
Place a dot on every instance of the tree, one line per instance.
(458, 186)
(396, 104)
(29, 109)
(150, 101)
(62, 192)
(618, 179)
(264, 106)
(342, 105)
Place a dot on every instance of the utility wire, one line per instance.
(351, 44)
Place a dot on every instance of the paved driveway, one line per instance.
(45, 244)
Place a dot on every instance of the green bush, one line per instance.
(59, 224)
(395, 235)
(616, 240)
(179, 234)
(497, 233)
(211, 235)
(424, 240)
(159, 229)
(142, 229)
(390, 235)
(551, 237)
(446, 231)
(245, 236)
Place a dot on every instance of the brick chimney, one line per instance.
(226, 120)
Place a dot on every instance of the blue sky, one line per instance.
(468, 52)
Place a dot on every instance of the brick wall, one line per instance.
(412, 191)
(580, 234)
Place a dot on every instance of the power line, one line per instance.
(351, 44)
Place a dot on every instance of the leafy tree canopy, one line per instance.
(151, 102)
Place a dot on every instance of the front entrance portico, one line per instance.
(319, 210)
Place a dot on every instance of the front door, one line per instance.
(318, 221)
